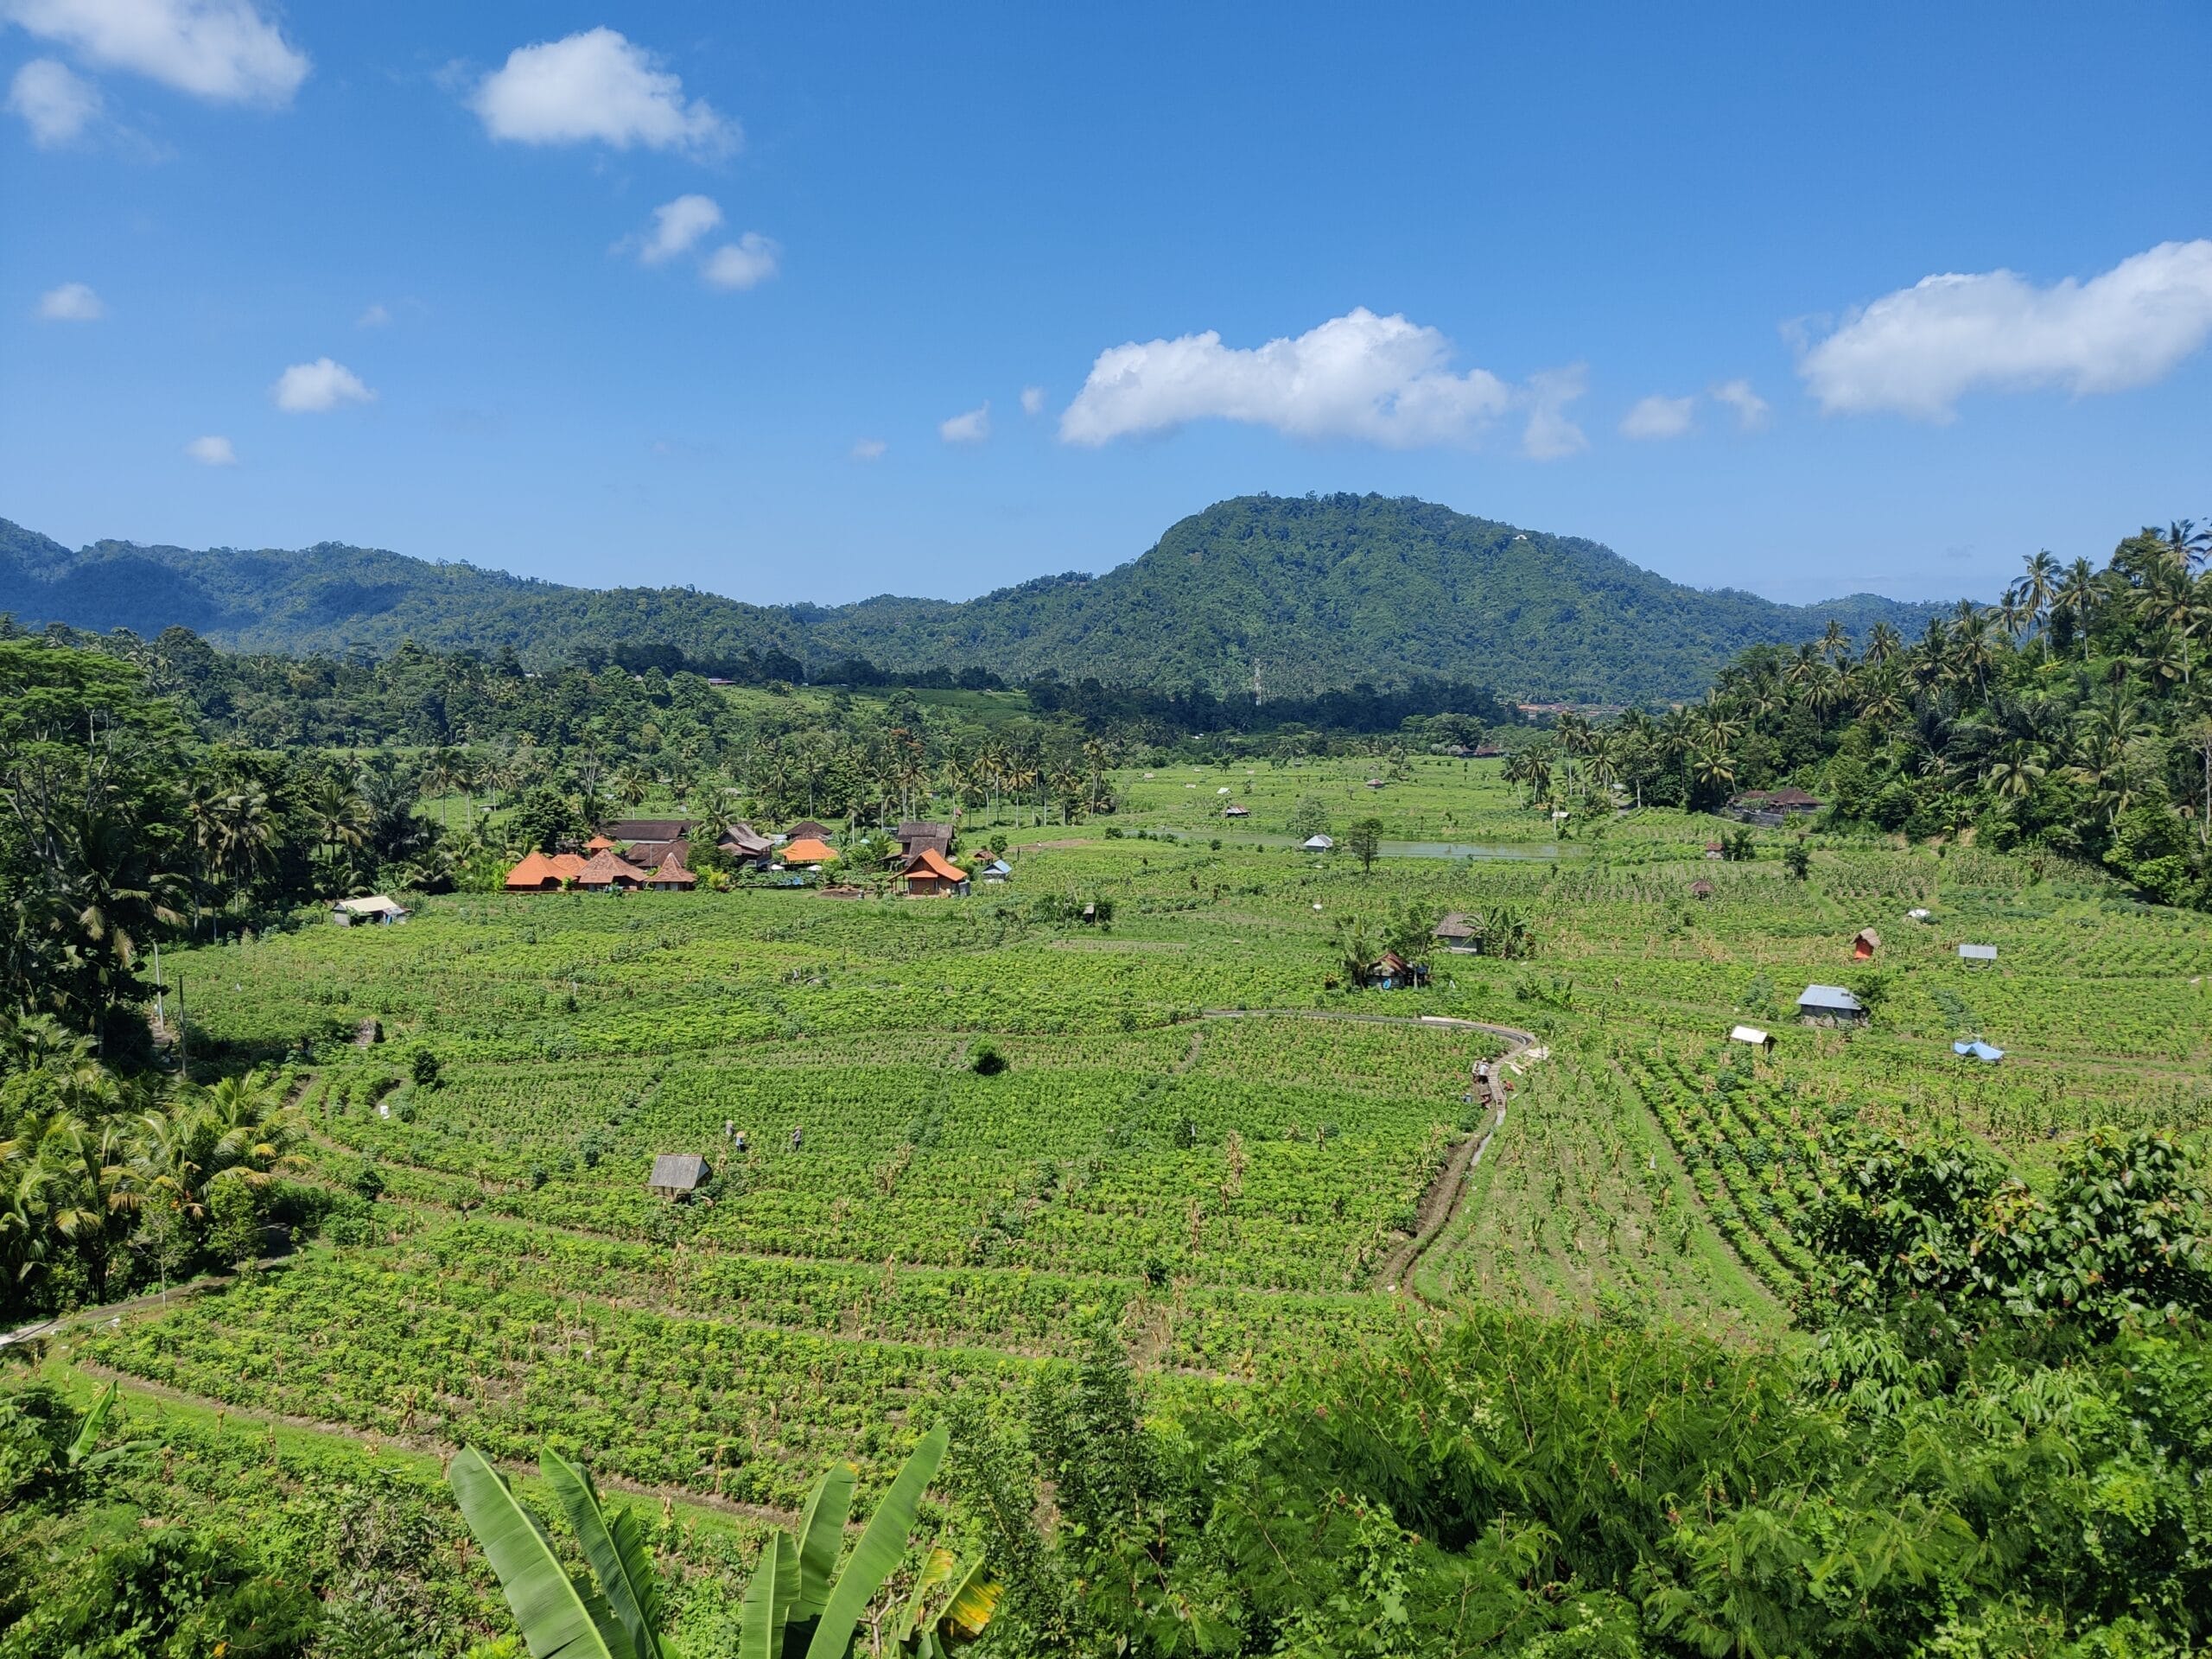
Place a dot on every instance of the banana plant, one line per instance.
(797, 1605)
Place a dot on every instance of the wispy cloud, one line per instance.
(222, 50)
(313, 388)
(212, 452)
(1657, 417)
(746, 263)
(1549, 435)
(1032, 401)
(1917, 350)
(71, 303)
(1751, 411)
(596, 86)
(973, 427)
(869, 449)
(677, 225)
(374, 316)
(56, 104)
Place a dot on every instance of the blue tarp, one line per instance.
(1980, 1051)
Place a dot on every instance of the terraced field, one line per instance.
(1225, 1194)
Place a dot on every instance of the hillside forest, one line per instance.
(1314, 593)
(1971, 1417)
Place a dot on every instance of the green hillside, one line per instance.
(1322, 592)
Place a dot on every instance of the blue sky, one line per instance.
(401, 275)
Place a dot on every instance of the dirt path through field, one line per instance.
(1441, 1202)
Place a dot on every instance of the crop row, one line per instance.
(1755, 1159)
(699, 1403)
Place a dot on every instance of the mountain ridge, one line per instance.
(1323, 591)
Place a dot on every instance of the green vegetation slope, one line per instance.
(1323, 591)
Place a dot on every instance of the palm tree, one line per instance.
(2075, 601)
(1835, 642)
(2039, 584)
(2017, 768)
(245, 832)
(2188, 543)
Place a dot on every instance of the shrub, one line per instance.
(986, 1061)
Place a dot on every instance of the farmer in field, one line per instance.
(797, 1135)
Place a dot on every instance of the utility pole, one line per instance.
(1256, 682)
(159, 1028)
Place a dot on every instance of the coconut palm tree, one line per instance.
(1835, 641)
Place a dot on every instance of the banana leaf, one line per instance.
(559, 1619)
(88, 1433)
(617, 1554)
(761, 1619)
(973, 1602)
(821, 1535)
(879, 1551)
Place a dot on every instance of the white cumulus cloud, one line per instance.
(971, 428)
(1032, 400)
(71, 303)
(311, 388)
(1751, 408)
(746, 263)
(212, 452)
(677, 225)
(1382, 380)
(1549, 435)
(1658, 417)
(595, 85)
(1919, 349)
(869, 449)
(56, 104)
(225, 50)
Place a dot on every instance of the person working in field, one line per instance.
(797, 1135)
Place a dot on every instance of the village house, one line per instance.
(544, 872)
(605, 872)
(914, 836)
(809, 830)
(931, 871)
(807, 850)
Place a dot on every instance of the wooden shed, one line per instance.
(677, 1175)
(1863, 943)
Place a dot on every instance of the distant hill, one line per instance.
(1324, 592)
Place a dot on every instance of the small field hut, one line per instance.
(1863, 943)
(677, 1175)
(1830, 1005)
(378, 911)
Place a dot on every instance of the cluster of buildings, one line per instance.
(653, 854)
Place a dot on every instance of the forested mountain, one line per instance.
(1322, 592)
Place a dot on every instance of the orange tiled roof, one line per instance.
(672, 869)
(535, 871)
(604, 870)
(568, 866)
(930, 861)
(598, 844)
(808, 851)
